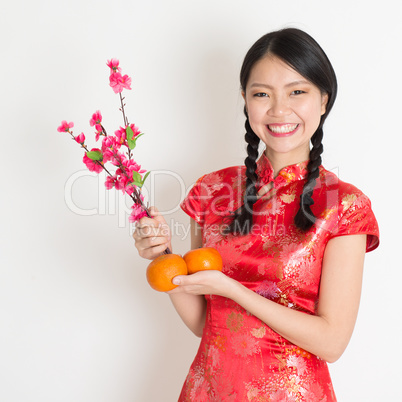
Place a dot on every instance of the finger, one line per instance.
(156, 215)
(153, 211)
(198, 278)
(150, 242)
(145, 231)
(150, 225)
(186, 285)
(152, 252)
(152, 235)
(143, 243)
(185, 280)
(147, 222)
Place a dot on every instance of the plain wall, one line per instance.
(78, 321)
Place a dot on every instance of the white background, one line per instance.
(78, 322)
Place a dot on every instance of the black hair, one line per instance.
(301, 52)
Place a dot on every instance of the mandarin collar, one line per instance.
(286, 175)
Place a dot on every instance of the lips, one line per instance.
(282, 130)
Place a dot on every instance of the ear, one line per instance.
(324, 102)
(243, 94)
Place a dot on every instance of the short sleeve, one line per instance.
(194, 204)
(357, 217)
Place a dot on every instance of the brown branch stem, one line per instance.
(122, 110)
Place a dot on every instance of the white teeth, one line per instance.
(286, 128)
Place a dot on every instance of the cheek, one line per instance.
(256, 119)
(256, 112)
(311, 113)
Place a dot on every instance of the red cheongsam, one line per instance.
(240, 358)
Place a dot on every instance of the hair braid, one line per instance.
(243, 218)
(305, 218)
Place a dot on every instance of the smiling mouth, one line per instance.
(282, 129)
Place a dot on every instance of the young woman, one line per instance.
(291, 234)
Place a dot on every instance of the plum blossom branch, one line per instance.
(122, 110)
(128, 175)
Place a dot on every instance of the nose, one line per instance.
(279, 107)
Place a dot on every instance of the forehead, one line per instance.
(272, 71)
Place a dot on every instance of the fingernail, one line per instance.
(176, 281)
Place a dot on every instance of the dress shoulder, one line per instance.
(221, 183)
(355, 214)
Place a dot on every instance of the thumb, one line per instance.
(179, 280)
(154, 212)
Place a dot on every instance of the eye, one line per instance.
(298, 92)
(260, 95)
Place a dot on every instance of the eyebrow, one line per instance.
(291, 84)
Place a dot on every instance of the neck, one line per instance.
(281, 160)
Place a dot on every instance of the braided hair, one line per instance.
(303, 54)
(243, 218)
(305, 218)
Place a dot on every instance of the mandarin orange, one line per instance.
(201, 259)
(163, 269)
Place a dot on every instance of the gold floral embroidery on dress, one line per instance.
(267, 243)
(259, 332)
(234, 321)
(220, 342)
(348, 200)
(284, 300)
(268, 289)
(244, 344)
(288, 197)
(308, 273)
(289, 176)
(273, 206)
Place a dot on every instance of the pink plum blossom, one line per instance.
(110, 148)
(129, 189)
(119, 82)
(121, 135)
(132, 166)
(80, 138)
(93, 166)
(137, 213)
(98, 133)
(126, 81)
(109, 155)
(65, 127)
(113, 64)
(119, 172)
(114, 156)
(106, 157)
(121, 183)
(110, 182)
(96, 119)
(136, 130)
(109, 142)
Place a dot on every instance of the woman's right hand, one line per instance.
(152, 235)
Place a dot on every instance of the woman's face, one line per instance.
(284, 109)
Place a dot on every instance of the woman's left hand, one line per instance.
(209, 282)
